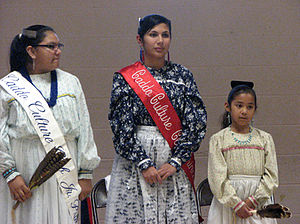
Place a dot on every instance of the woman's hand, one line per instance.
(86, 188)
(244, 212)
(18, 189)
(166, 170)
(151, 175)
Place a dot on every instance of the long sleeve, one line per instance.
(218, 175)
(6, 159)
(88, 159)
(193, 121)
(228, 158)
(21, 146)
(123, 124)
(269, 182)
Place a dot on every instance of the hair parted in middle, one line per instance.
(150, 21)
(238, 87)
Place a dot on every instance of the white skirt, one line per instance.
(132, 200)
(47, 204)
(244, 186)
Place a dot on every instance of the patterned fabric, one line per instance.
(20, 147)
(9, 172)
(127, 111)
(132, 200)
(256, 158)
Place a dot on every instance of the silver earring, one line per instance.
(252, 122)
(33, 65)
(228, 118)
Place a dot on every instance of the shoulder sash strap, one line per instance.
(159, 107)
(49, 132)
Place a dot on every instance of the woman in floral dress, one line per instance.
(148, 184)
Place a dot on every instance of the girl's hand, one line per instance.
(166, 170)
(18, 189)
(250, 204)
(151, 175)
(244, 212)
(86, 188)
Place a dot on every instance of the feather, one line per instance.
(274, 211)
(53, 161)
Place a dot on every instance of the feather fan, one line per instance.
(53, 161)
(274, 211)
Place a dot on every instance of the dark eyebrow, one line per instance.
(154, 31)
(243, 102)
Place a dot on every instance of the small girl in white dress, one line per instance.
(242, 165)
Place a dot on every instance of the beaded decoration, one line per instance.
(8, 172)
(53, 91)
(245, 141)
(81, 171)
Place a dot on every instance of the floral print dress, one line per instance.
(138, 147)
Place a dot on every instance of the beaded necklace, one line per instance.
(53, 94)
(240, 141)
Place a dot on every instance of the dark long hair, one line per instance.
(150, 21)
(236, 91)
(31, 35)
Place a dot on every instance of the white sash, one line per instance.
(49, 132)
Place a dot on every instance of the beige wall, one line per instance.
(217, 40)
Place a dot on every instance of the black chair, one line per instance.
(204, 195)
(98, 198)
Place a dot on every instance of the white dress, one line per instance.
(20, 147)
(241, 166)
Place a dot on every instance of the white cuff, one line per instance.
(238, 206)
(12, 176)
(176, 160)
(143, 161)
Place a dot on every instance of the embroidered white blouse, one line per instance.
(21, 147)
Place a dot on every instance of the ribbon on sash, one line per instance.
(49, 133)
(159, 107)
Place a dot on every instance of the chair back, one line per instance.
(204, 194)
(98, 198)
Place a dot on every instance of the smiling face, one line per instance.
(242, 110)
(46, 59)
(156, 43)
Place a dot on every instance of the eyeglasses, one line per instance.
(52, 47)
